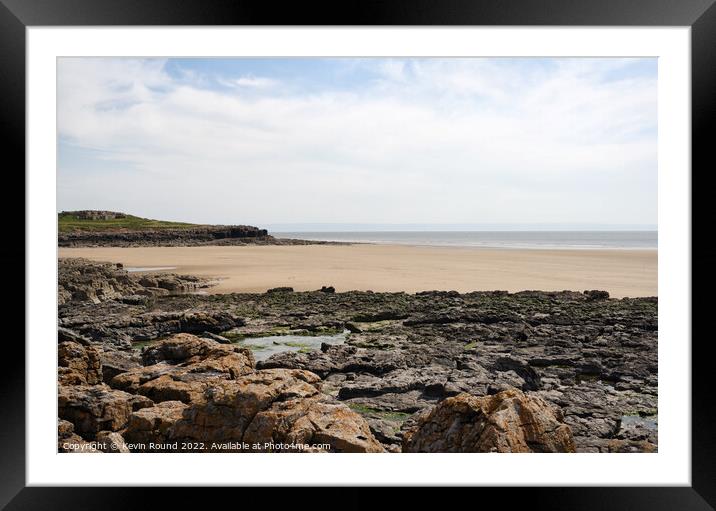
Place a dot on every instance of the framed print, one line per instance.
(437, 246)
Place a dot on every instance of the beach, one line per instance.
(385, 268)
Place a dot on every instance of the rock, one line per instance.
(338, 358)
(328, 289)
(597, 295)
(64, 428)
(522, 369)
(267, 407)
(182, 367)
(78, 364)
(506, 422)
(65, 334)
(68, 441)
(140, 299)
(116, 362)
(153, 424)
(312, 422)
(186, 236)
(279, 290)
(94, 408)
(230, 405)
(187, 348)
(216, 338)
(111, 442)
(80, 280)
(198, 322)
(353, 328)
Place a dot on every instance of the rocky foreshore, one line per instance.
(428, 372)
(82, 280)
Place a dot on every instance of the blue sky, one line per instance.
(369, 141)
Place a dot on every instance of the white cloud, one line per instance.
(432, 141)
(252, 82)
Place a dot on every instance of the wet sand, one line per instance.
(396, 267)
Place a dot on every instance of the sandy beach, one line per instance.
(397, 268)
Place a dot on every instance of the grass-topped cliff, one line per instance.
(69, 221)
(93, 228)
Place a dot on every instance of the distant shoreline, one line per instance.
(466, 247)
(510, 239)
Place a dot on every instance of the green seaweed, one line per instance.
(382, 414)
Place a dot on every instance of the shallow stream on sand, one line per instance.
(139, 269)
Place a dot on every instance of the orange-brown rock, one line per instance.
(69, 441)
(153, 424)
(322, 425)
(78, 364)
(509, 421)
(111, 442)
(189, 349)
(231, 405)
(183, 367)
(275, 406)
(94, 408)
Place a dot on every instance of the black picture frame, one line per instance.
(700, 15)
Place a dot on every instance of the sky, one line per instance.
(429, 141)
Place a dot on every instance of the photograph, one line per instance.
(263, 254)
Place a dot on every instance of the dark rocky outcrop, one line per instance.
(184, 236)
(81, 280)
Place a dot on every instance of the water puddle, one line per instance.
(136, 269)
(264, 347)
(650, 422)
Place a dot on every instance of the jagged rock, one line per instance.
(152, 424)
(116, 362)
(279, 406)
(230, 405)
(284, 289)
(111, 442)
(198, 322)
(506, 422)
(182, 367)
(93, 408)
(65, 334)
(595, 294)
(69, 441)
(80, 280)
(266, 408)
(190, 349)
(523, 370)
(312, 422)
(78, 364)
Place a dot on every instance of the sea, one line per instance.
(587, 240)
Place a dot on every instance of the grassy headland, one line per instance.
(69, 221)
